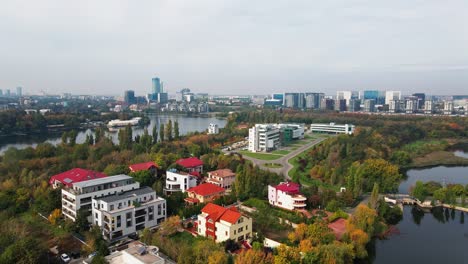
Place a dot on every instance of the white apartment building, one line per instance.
(394, 106)
(213, 128)
(80, 194)
(428, 107)
(267, 137)
(448, 107)
(332, 128)
(411, 106)
(179, 181)
(392, 96)
(220, 224)
(264, 137)
(286, 195)
(124, 213)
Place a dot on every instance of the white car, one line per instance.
(65, 258)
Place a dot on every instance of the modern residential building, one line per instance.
(179, 181)
(395, 106)
(286, 195)
(213, 129)
(411, 104)
(193, 165)
(392, 96)
(369, 105)
(312, 100)
(203, 193)
(428, 107)
(448, 107)
(291, 100)
(421, 98)
(67, 178)
(223, 178)
(138, 253)
(220, 224)
(145, 166)
(327, 104)
(80, 194)
(124, 213)
(332, 128)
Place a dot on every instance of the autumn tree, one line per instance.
(54, 216)
(170, 226)
(254, 256)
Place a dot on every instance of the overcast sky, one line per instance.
(234, 47)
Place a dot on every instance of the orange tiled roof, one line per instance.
(216, 212)
(222, 173)
(206, 189)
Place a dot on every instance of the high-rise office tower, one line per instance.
(156, 86)
(340, 105)
(19, 91)
(354, 105)
(129, 97)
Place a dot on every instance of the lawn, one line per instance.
(272, 165)
(260, 156)
(281, 152)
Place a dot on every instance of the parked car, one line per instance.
(65, 258)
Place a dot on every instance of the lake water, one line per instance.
(440, 174)
(186, 125)
(437, 237)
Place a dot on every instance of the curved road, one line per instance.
(284, 161)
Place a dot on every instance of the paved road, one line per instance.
(284, 161)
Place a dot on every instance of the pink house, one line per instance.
(223, 178)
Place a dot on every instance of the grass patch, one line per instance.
(422, 147)
(281, 152)
(260, 156)
(272, 165)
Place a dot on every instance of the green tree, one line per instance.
(155, 134)
(374, 199)
(144, 177)
(176, 130)
(419, 191)
(168, 130)
(161, 132)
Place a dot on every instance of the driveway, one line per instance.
(284, 161)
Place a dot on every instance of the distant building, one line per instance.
(369, 105)
(411, 104)
(392, 96)
(192, 165)
(286, 195)
(75, 175)
(121, 214)
(313, 100)
(79, 194)
(162, 98)
(1, 92)
(448, 107)
(19, 91)
(278, 96)
(354, 105)
(272, 102)
(327, 104)
(7, 93)
(340, 105)
(203, 193)
(394, 106)
(428, 107)
(213, 128)
(220, 224)
(421, 98)
(129, 97)
(223, 178)
(332, 128)
(156, 85)
(291, 100)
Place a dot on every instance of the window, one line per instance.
(96, 215)
(240, 229)
(129, 219)
(246, 227)
(226, 233)
(112, 207)
(119, 221)
(235, 232)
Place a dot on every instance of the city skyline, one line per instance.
(224, 47)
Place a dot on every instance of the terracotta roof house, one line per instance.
(75, 175)
(192, 164)
(220, 223)
(223, 178)
(149, 166)
(204, 193)
(338, 227)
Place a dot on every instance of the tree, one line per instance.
(176, 130)
(253, 256)
(168, 130)
(374, 199)
(287, 255)
(155, 134)
(364, 218)
(144, 177)
(419, 191)
(161, 132)
(170, 226)
(56, 214)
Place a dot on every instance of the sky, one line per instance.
(234, 47)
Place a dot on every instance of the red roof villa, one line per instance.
(67, 178)
(192, 164)
(203, 193)
(286, 195)
(150, 166)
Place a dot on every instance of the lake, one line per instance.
(186, 125)
(439, 174)
(437, 237)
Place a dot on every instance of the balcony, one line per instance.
(299, 197)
